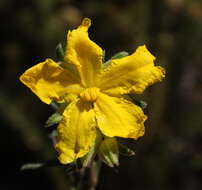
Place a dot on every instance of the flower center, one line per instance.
(90, 94)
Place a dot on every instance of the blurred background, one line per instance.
(169, 156)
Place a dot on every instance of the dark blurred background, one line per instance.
(169, 156)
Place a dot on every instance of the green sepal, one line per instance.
(109, 152)
(124, 150)
(87, 159)
(59, 52)
(53, 119)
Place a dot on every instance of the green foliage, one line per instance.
(109, 152)
(116, 56)
(60, 52)
(119, 55)
(53, 119)
(124, 150)
(39, 165)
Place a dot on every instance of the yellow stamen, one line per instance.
(90, 94)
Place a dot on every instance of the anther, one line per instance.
(90, 94)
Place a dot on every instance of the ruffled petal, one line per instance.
(84, 53)
(51, 82)
(119, 117)
(131, 74)
(77, 131)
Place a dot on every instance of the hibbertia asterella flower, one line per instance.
(94, 92)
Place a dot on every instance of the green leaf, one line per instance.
(53, 119)
(39, 165)
(60, 52)
(124, 150)
(54, 105)
(109, 152)
(141, 103)
(53, 136)
(32, 166)
(116, 56)
(119, 55)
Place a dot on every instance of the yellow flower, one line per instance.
(94, 92)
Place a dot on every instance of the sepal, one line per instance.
(109, 152)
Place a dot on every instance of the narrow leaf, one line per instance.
(32, 166)
(39, 165)
(141, 103)
(53, 119)
(124, 150)
(116, 56)
(119, 55)
(54, 105)
(60, 52)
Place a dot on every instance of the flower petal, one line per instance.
(50, 82)
(119, 117)
(77, 131)
(84, 53)
(131, 74)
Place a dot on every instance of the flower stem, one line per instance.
(89, 176)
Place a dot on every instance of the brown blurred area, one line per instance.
(169, 156)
